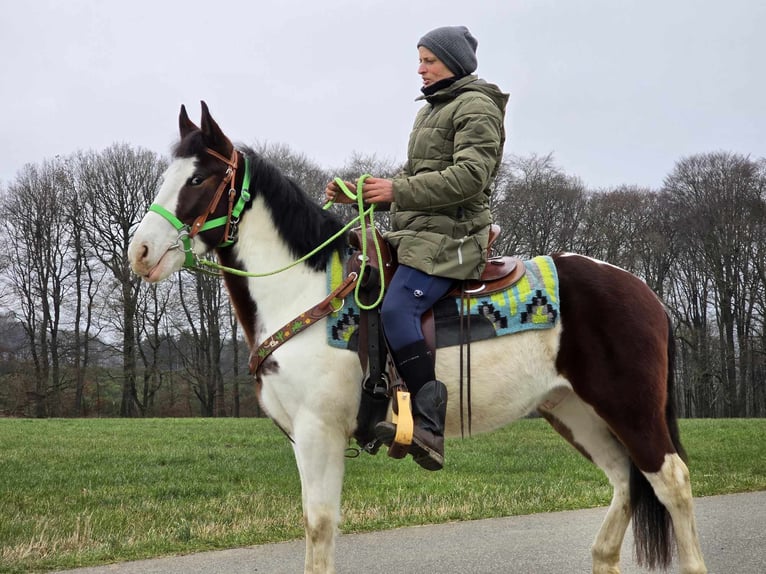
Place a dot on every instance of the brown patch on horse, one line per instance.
(245, 307)
(614, 352)
(194, 199)
(565, 432)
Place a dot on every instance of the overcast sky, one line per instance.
(617, 90)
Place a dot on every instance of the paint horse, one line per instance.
(602, 377)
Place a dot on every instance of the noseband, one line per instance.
(230, 221)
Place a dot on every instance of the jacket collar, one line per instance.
(449, 91)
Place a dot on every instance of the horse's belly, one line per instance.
(510, 376)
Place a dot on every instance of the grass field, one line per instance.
(83, 492)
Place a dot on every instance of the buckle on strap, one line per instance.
(184, 238)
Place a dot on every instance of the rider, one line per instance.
(440, 217)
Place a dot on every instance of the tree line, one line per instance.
(80, 335)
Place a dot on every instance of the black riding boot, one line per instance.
(429, 406)
(429, 409)
(415, 365)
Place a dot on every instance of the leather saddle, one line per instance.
(500, 272)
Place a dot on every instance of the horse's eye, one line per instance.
(196, 180)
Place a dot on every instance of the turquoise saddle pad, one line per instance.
(532, 303)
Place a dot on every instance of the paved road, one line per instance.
(732, 530)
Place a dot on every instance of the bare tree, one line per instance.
(156, 351)
(538, 206)
(297, 166)
(720, 201)
(39, 270)
(757, 353)
(657, 243)
(613, 224)
(690, 302)
(119, 185)
(202, 345)
(86, 279)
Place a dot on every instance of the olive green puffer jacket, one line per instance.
(440, 214)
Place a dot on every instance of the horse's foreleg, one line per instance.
(319, 451)
(587, 432)
(673, 489)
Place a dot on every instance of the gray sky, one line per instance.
(617, 90)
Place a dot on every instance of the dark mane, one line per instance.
(302, 224)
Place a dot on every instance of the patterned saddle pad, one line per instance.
(532, 303)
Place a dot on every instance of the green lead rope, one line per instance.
(192, 262)
(363, 216)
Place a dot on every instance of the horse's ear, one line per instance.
(185, 125)
(215, 138)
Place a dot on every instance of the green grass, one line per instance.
(84, 492)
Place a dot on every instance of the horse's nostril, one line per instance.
(145, 252)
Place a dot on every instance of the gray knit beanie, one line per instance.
(453, 45)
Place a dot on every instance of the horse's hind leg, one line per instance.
(652, 444)
(589, 434)
(617, 351)
(673, 489)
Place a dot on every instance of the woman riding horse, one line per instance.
(440, 217)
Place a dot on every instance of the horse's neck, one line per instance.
(282, 296)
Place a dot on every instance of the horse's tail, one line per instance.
(652, 527)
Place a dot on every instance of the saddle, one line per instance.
(382, 382)
(500, 272)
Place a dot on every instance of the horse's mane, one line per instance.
(301, 223)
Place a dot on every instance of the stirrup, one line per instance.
(402, 418)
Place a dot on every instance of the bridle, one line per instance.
(230, 221)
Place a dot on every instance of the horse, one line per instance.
(602, 376)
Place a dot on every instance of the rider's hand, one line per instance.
(378, 190)
(334, 193)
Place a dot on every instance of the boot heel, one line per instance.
(398, 450)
